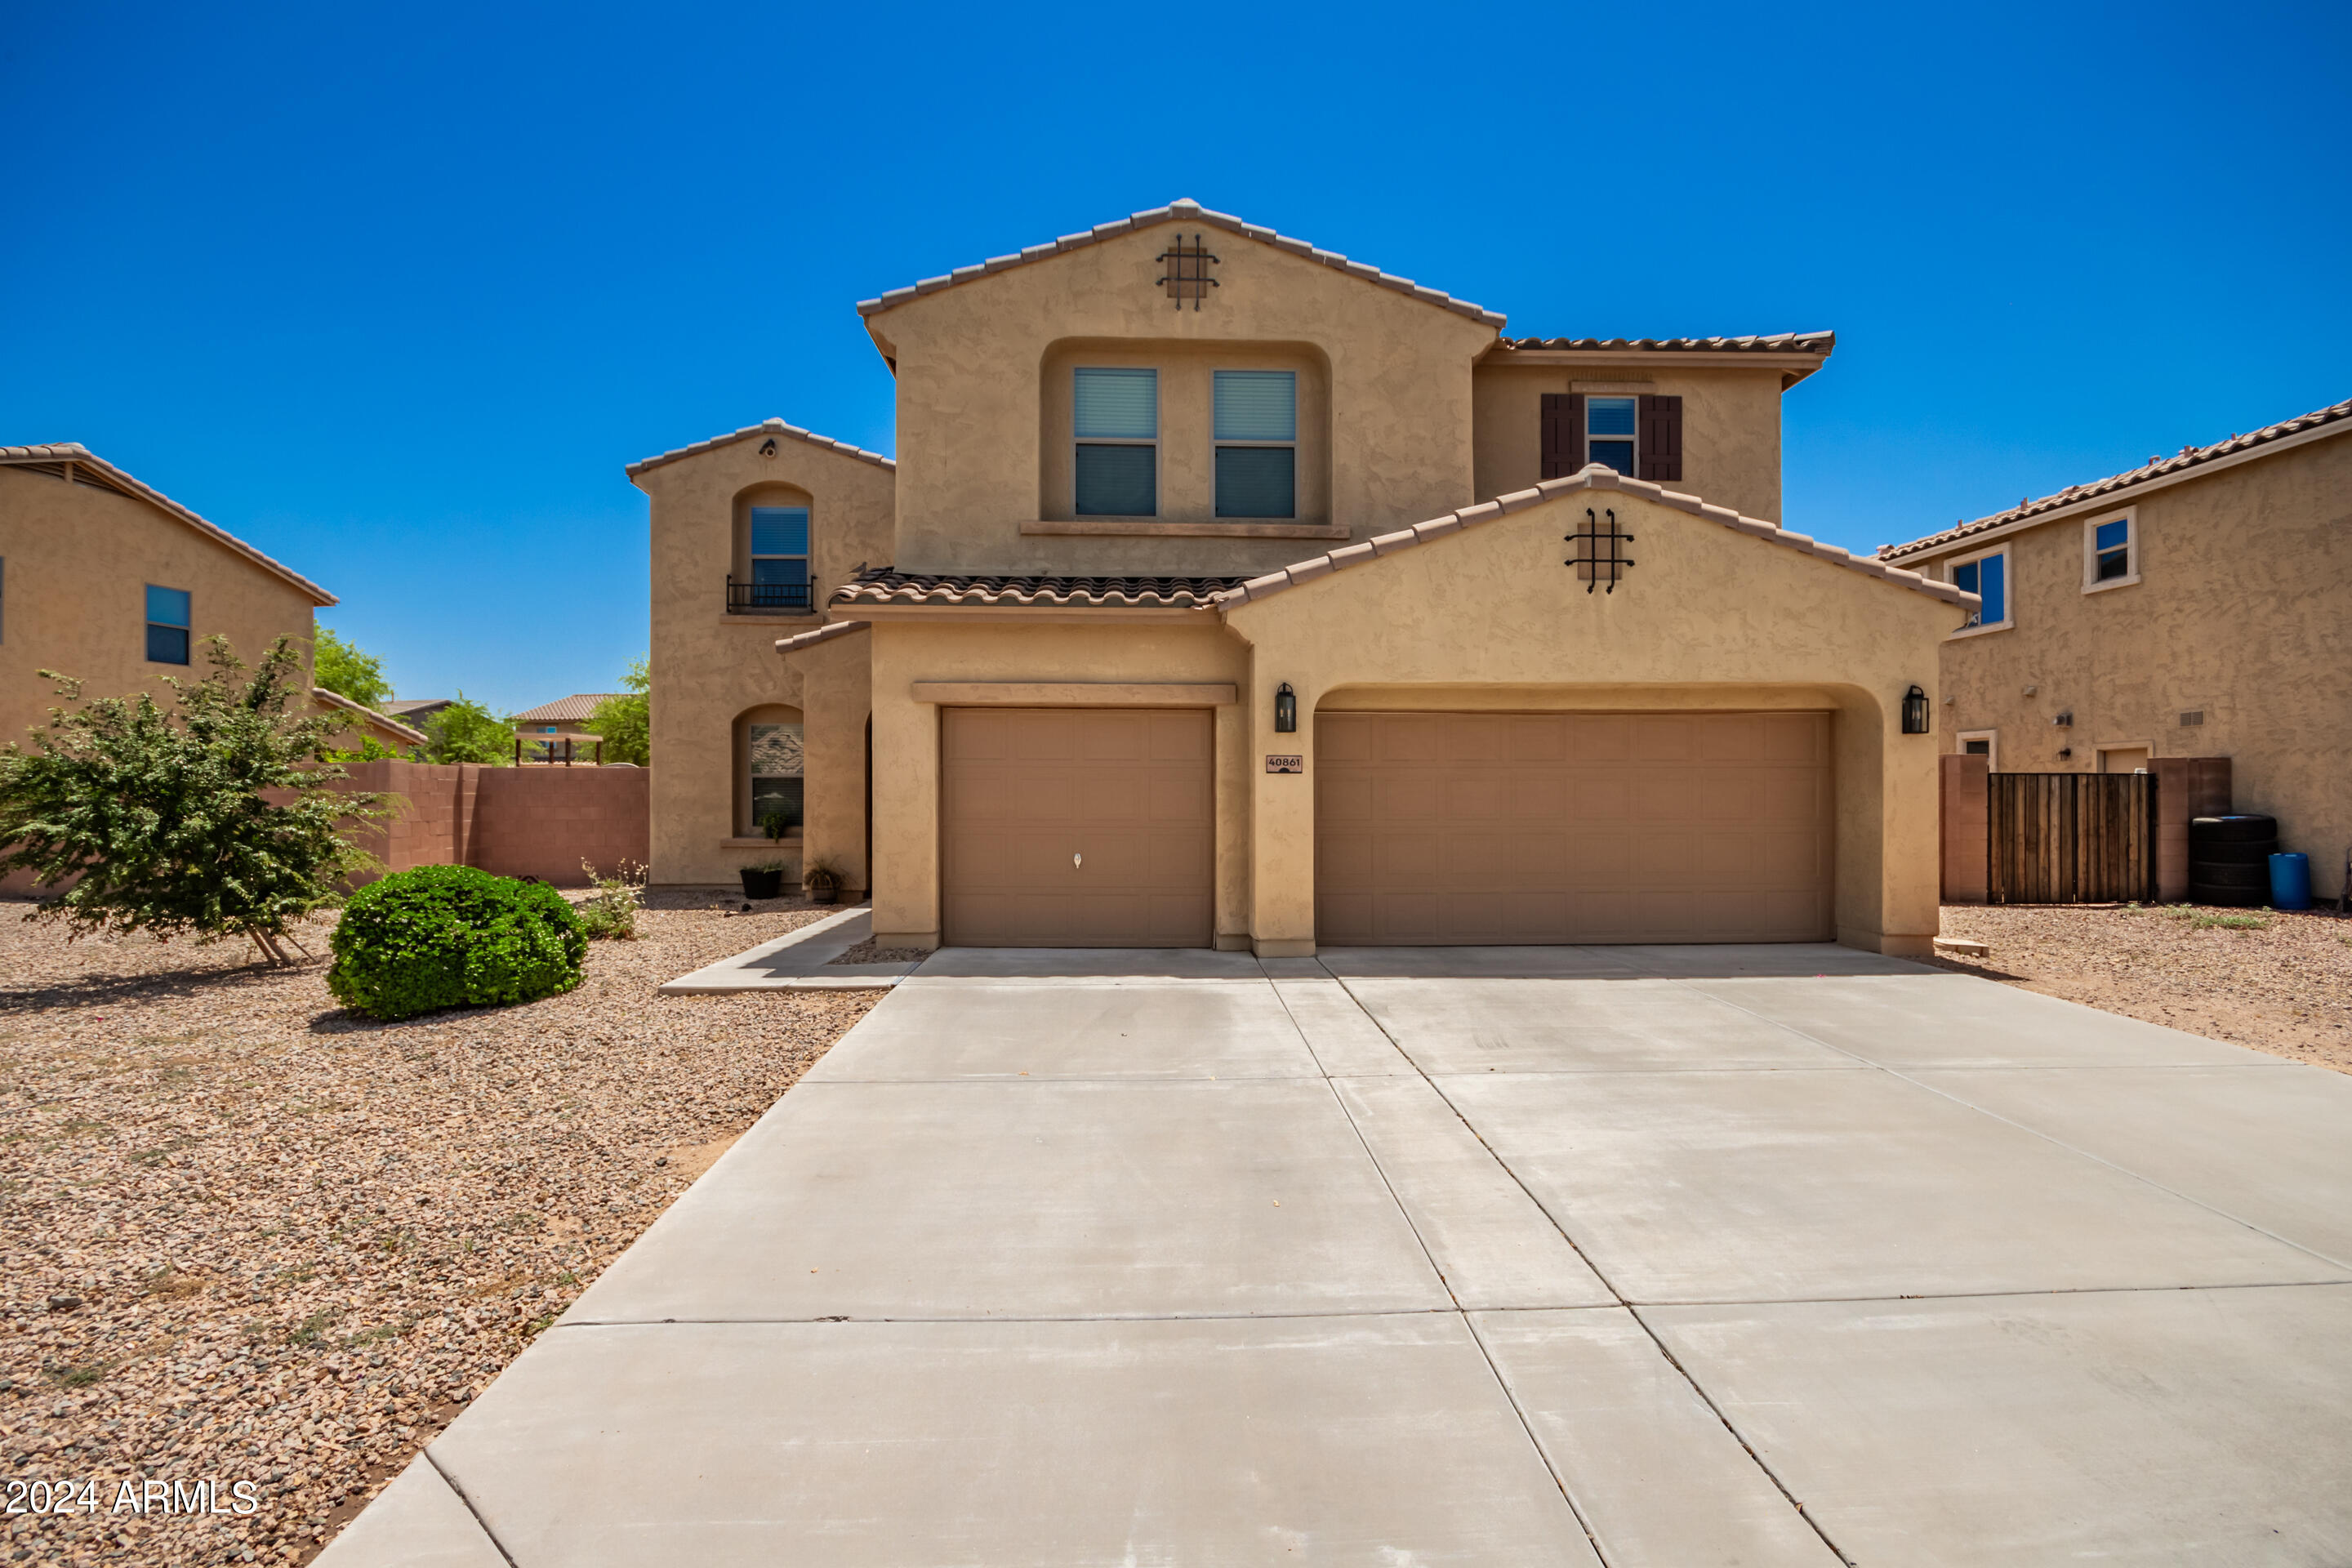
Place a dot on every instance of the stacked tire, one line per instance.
(2229, 859)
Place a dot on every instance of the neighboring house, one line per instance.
(565, 719)
(416, 709)
(2197, 605)
(369, 724)
(1227, 592)
(106, 580)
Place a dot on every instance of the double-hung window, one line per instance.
(167, 625)
(2110, 552)
(1256, 424)
(1116, 417)
(780, 557)
(1987, 576)
(1610, 424)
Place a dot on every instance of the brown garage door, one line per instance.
(1448, 828)
(1076, 827)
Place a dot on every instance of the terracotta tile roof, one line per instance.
(92, 469)
(885, 586)
(1776, 343)
(765, 427)
(337, 699)
(2119, 484)
(1184, 211)
(402, 707)
(823, 633)
(1594, 478)
(575, 708)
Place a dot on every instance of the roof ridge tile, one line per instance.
(770, 426)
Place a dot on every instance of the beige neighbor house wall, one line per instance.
(2239, 612)
(982, 480)
(711, 668)
(75, 565)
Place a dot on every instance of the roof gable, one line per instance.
(1182, 211)
(62, 458)
(765, 427)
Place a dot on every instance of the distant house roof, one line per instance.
(2155, 473)
(337, 699)
(416, 707)
(573, 709)
(765, 427)
(73, 461)
(1184, 211)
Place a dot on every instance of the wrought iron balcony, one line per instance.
(767, 598)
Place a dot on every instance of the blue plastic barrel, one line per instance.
(2290, 881)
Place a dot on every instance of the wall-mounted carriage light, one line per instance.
(1914, 712)
(1285, 710)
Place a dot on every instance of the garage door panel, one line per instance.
(1436, 829)
(1023, 790)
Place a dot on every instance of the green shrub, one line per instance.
(611, 911)
(451, 936)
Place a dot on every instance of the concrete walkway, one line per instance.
(1672, 1257)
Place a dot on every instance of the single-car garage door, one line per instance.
(1507, 829)
(1076, 827)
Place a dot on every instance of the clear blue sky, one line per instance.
(393, 291)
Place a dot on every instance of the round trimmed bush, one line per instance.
(451, 936)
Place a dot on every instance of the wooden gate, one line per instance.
(2070, 838)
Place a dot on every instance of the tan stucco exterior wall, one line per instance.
(710, 668)
(970, 406)
(1491, 619)
(1731, 426)
(74, 564)
(2240, 613)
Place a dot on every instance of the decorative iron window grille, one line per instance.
(1188, 263)
(1595, 552)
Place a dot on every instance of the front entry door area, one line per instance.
(1076, 827)
(1531, 829)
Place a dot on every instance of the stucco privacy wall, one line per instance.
(710, 667)
(2240, 615)
(516, 822)
(971, 358)
(1488, 617)
(76, 562)
(1095, 648)
(1731, 424)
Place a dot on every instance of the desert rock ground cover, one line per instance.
(250, 1237)
(2284, 986)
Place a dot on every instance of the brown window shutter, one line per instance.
(1662, 438)
(1563, 433)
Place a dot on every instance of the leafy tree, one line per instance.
(625, 723)
(465, 731)
(220, 819)
(341, 667)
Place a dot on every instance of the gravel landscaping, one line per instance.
(253, 1238)
(2273, 982)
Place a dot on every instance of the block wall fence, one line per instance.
(517, 821)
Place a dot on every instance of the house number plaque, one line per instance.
(1281, 765)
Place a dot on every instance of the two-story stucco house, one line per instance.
(1228, 592)
(2196, 606)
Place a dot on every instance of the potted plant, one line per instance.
(823, 879)
(776, 823)
(765, 879)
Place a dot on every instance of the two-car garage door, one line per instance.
(1504, 828)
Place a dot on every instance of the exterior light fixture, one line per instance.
(1285, 710)
(768, 447)
(1914, 712)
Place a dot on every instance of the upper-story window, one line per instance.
(1256, 424)
(1987, 576)
(1116, 420)
(168, 621)
(780, 557)
(2110, 552)
(1640, 436)
(1610, 425)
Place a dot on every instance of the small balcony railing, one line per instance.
(766, 598)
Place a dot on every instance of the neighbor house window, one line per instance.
(775, 791)
(1610, 423)
(2110, 552)
(780, 557)
(167, 625)
(1256, 421)
(1116, 416)
(1981, 744)
(1987, 576)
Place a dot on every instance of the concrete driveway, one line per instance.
(1667, 1257)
